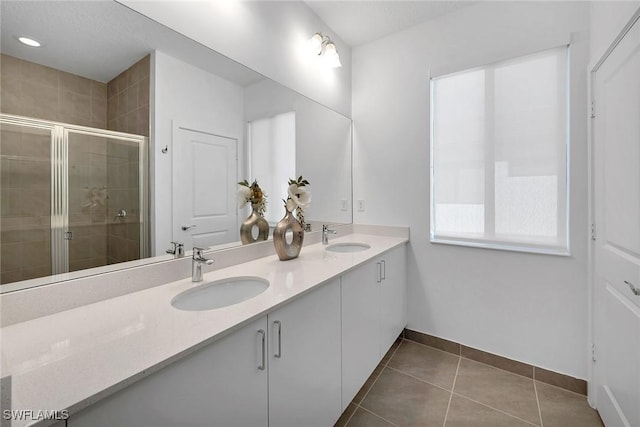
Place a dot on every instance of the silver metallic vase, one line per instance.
(286, 250)
(246, 229)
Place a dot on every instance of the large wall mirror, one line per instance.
(120, 136)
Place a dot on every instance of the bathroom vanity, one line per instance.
(295, 354)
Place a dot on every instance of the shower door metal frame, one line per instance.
(60, 182)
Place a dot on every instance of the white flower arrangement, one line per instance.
(252, 194)
(298, 198)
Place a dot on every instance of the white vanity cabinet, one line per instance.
(393, 296)
(304, 360)
(360, 328)
(219, 385)
(373, 315)
(281, 370)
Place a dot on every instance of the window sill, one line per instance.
(564, 252)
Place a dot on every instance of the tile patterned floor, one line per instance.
(417, 385)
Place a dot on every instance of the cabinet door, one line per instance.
(393, 301)
(220, 385)
(304, 360)
(360, 328)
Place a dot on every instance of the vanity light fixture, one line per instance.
(29, 41)
(325, 49)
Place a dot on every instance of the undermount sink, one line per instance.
(348, 247)
(221, 293)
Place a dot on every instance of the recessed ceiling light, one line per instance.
(29, 42)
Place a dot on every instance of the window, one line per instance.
(499, 139)
(272, 157)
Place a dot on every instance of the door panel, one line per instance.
(621, 339)
(204, 185)
(617, 247)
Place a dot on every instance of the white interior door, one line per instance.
(205, 169)
(617, 245)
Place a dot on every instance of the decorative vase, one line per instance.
(284, 249)
(246, 229)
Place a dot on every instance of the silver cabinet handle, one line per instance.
(379, 271)
(278, 325)
(263, 342)
(384, 270)
(636, 291)
(186, 227)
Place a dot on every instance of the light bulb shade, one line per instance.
(315, 43)
(330, 56)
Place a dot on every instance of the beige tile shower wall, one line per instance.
(32, 90)
(128, 111)
(128, 99)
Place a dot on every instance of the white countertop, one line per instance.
(72, 359)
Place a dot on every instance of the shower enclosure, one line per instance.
(71, 197)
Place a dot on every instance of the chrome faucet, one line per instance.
(177, 249)
(197, 259)
(325, 234)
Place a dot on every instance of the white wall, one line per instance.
(187, 96)
(607, 20)
(323, 149)
(268, 36)
(531, 308)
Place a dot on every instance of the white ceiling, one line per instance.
(100, 39)
(361, 21)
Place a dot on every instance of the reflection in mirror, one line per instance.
(211, 122)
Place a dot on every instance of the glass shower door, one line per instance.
(105, 201)
(25, 200)
(71, 198)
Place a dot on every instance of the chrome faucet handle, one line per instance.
(196, 263)
(325, 229)
(177, 249)
(325, 232)
(198, 255)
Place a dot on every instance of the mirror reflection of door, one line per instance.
(205, 169)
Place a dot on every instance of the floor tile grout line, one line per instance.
(495, 367)
(419, 379)
(477, 361)
(459, 354)
(346, 424)
(394, 352)
(496, 409)
(561, 388)
(453, 386)
(535, 389)
(376, 415)
(456, 394)
(460, 395)
(358, 405)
